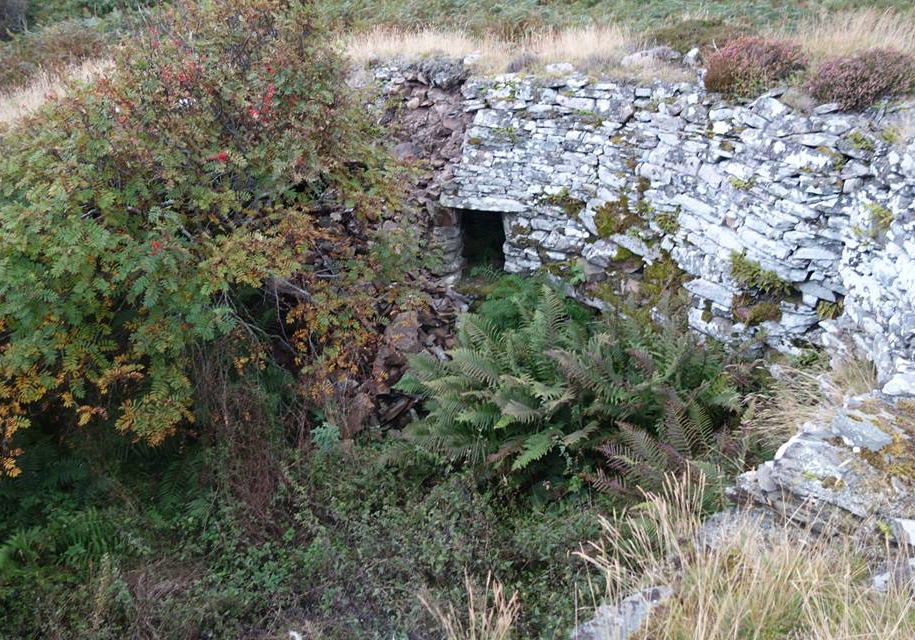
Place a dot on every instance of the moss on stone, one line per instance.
(506, 133)
(558, 268)
(829, 310)
(643, 185)
(859, 141)
(661, 277)
(623, 254)
(882, 216)
(748, 273)
(564, 200)
(838, 159)
(763, 312)
(613, 217)
(668, 222)
(588, 118)
(890, 135)
(742, 185)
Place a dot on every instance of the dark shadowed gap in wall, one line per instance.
(484, 238)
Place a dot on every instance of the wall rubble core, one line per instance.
(585, 171)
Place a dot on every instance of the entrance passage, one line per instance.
(484, 237)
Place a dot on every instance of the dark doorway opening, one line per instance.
(484, 237)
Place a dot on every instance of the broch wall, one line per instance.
(812, 214)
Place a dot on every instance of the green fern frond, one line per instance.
(475, 366)
(534, 448)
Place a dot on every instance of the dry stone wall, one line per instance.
(810, 213)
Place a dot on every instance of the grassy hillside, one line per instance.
(522, 17)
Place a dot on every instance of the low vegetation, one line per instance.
(800, 51)
(748, 66)
(707, 34)
(749, 581)
(751, 274)
(51, 52)
(47, 87)
(860, 80)
(535, 402)
(526, 17)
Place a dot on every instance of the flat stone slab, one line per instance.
(858, 466)
(619, 621)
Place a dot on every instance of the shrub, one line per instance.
(749, 66)
(532, 402)
(138, 216)
(859, 80)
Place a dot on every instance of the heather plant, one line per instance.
(140, 216)
(858, 81)
(748, 66)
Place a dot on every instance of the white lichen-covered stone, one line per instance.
(798, 194)
(843, 472)
(622, 620)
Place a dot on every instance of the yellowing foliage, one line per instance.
(135, 213)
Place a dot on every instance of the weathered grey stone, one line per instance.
(620, 621)
(762, 179)
(827, 483)
(901, 384)
(649, 57)
(708, 290)
(857, 431)
(692, 57)
(900, 575)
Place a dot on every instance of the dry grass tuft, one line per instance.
(846, 33)
(20, 103)
(490, 617)
(755, 583)
(385, 44)
(800, 395)
(595, 50)
(584, 45)
(598, 49)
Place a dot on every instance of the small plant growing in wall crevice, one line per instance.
(614, 217)
(742, 185)
(859, 141)
(881, 215)
(668, 221)
(750, 274)
(563, 199)
(827, 310)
